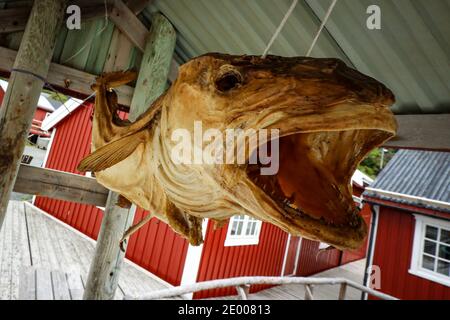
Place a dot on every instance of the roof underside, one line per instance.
(410, 54)
(415, 173)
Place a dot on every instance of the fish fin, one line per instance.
(112, 153)
(116, 79)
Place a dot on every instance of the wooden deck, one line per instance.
(352, 271)
(31, 239)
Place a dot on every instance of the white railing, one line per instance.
(242, 285)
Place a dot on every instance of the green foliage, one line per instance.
(56, 96)
(371, 164)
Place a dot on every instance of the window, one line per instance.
(431, 250)
(243, 230)
(358, 201)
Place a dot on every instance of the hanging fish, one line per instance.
(327, 117)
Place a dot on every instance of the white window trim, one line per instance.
(416, 260)
(242, 240)
(358, 201)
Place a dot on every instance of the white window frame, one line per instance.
(417, 252)
(358, 201)
(242, 239)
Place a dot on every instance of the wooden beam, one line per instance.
(135, 31)
(107, 262)
(21, 98)
(155, 65)
(60, 185)
(423, 132)
(137, 6)
(68, 80)
(105, 267)
(14, 19)
(129, 24)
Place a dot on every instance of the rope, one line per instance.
(280, 27)
(283, 22)
(322, 25)
(29, 73)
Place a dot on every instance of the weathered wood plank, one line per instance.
(6, 254)
(19, 244)
(73, 251)
(75, 286)
(422, 131)
(108, 258)
(119, 54)
(40, 250)
(155, 65)
(32, 237)
(65, 78)
(126, 21)
(136, 6)
(60, 286)
(44, 290)
(14, 19)
(27, 284)
(129, 24)
(60, 185)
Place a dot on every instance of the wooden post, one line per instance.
(105, 267)
(342, 291)
(155, 65)
(309, 293)
(25, 86)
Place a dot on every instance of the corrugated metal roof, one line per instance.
(416, 173)
(410, 54)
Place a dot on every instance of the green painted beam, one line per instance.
(155, 65)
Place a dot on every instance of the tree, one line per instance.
(375, 161)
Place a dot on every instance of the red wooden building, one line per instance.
(44, 108)
(410, 244)
(242, 247)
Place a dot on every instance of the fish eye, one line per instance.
(228, 80)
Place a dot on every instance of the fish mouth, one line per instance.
(311, 193)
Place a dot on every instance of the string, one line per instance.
(322, 25)
(280, 27)
(29, 73)
(283, 22)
